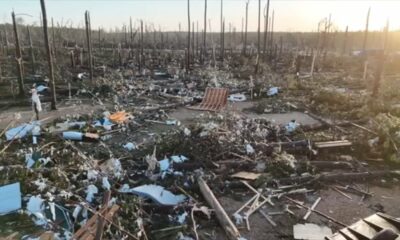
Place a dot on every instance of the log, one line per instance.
(223, 218)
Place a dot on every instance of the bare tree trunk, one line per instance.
(130, 32)
(18, 58)
(99, 40)
(345, 41)
(125, 36)
(53, 40)
(366, 31)
(141, 58)
(223, 41)
(245, 31)
(72, 56)
(258, 37)
(242, 32)
(197, 38)
(89, 44)
(221, 32)
(32, 54)
(49, 57)
(6, 39)
(193, 39)
(381, 62)
(188, 40)
(205, 32)
(266, 16)
(271, 41)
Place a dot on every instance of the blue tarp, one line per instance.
(10, 198)
(21, 131)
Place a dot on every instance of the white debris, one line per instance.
(237, 97)
(249, 149)
(130, 146)
(92, 174)
(238, 218)
(35, 207)
(291, 126)
(91, 191)
(311, 231)
(182, 218)
(187, 132)
(272, 91)
(106, 183)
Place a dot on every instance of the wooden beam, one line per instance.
(223, 218)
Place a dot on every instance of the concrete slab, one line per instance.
(186, 115)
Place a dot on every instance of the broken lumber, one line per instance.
(223, 218)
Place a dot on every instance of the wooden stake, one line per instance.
(49, 57)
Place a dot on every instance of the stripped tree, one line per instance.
(266, 16)
(89, 44)
(366, 31)
(345, 40)
(18, 57)
(31, 52)
(205, 32)
(49, 57)
(381, 62)
(246, 24)
(222, 31)
(258, 37)
(188, 40)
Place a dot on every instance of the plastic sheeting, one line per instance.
(21, 131)
(10, 198)
(158, 194)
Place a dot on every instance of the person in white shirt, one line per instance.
(37, 106)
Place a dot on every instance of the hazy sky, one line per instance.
(290, 15)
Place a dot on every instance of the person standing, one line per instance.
(37, 106)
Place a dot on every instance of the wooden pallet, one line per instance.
(215, 99)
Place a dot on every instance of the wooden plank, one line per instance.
(223, 218)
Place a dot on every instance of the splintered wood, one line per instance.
(94, 227)
(223, 218)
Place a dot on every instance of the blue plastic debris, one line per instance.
(273, 91)
(41, 88)
(129, 146)
(291, 126)
(77, 136)
(105, 123)
(10, 198)
(21, 131)
(164, 165)
(158, 194)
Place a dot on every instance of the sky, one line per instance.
(290, 15)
